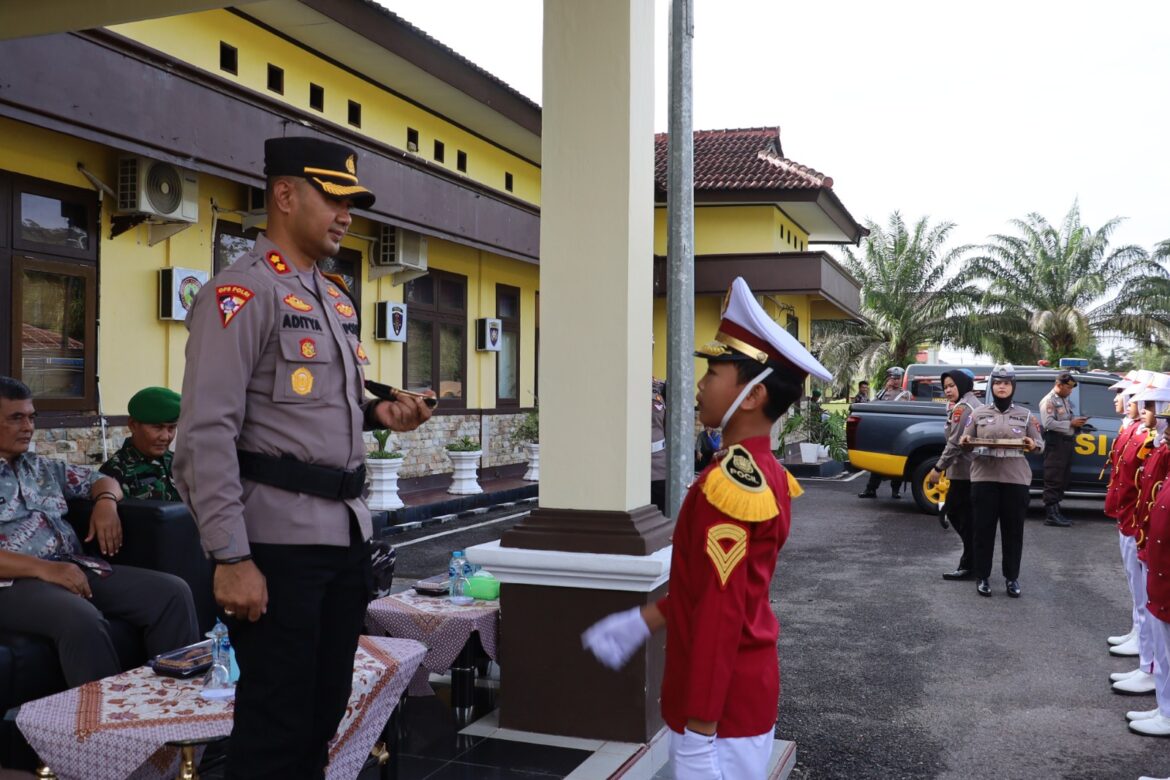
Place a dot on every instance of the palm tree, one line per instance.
(1049, 290)
(906, 300)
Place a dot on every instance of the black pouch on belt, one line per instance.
(288, 473)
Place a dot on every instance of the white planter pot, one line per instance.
(465, 482)
(823, 452)
(808, 452)
(533, 473)
(384, 483)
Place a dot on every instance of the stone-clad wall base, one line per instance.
(79, 446)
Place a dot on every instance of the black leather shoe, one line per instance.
(867, 494)
(1053, 517)
(958, 574)
(895, 495)
(983, 587)
(1013, 588)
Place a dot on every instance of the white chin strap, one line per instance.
(742, 395)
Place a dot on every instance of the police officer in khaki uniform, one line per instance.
(270, 459)
(959, 386)
(1060, 424)
(658, 444)
(1000, 477)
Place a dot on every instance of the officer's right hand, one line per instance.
(68, 575)
(933, 477)
(241, 590)
(403, 414)
(1079, 422)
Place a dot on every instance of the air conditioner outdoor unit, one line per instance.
(400, 249)
(158, 189)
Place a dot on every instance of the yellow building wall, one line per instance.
(195, 39)
(736, 230)
(137, 349)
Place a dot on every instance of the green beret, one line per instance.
(155, 405)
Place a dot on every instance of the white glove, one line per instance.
(694, 756)
(614, 638)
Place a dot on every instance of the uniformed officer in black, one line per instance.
(1060, 424)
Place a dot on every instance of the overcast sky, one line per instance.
(973, 113)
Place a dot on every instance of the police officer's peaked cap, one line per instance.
(155, 405)
(330, 167)
(897, 371)
(746, 332)
(1003, 371)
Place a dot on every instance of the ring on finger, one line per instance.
(229, 612)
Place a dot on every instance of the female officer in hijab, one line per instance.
(959, 386)
(1000, 477)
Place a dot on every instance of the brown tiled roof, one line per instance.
(746, 159)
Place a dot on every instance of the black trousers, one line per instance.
(296, 661)
(998, 504)
(658, 494)
(1058, 453)
(875, 481)
(959, 511)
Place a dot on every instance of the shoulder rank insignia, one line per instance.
(297, 303)
(344, 309)
(231, 299)
(726, 558)
(277, 262)
(738, 489)
(333, 292)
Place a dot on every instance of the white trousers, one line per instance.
(735, 758)
(1135, 574)
(1161, 635)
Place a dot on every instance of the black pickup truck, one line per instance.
(903, 439)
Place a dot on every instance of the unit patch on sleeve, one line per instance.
(344, 309)
(297, 303)
(231, 299)
(302, 381)
(308, 348)
(361, 353)
(738, 489)
(726, 558)
(277, 262)
(333, 291)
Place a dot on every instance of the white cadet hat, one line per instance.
(746, 332)
(1125, 381)
(1154, 390)
(1140, 382)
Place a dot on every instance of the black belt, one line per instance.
(288, 473)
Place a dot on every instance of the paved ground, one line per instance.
(891, 672)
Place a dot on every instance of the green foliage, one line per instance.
(528, 431)
(792, 423)
(380, 452)
(464, 444)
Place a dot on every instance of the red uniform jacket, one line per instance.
(1121, 497)
(721, 633)
(1150, 479)
(1158, 556)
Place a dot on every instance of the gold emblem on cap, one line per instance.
(302, 381)
(351, 164)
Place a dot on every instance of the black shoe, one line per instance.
(1013, 588)
(895, 495)
(958, 574)
(867, 494)
(983, 587)
(1060, 513)
(1054, 517)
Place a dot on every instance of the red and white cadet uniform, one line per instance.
(1156, 555)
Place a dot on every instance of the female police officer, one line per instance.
(1000, 477)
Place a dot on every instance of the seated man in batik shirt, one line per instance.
(48, 586)
(143, 465)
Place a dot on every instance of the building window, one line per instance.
(233, 242)
(48, 287)
(508, 182)
(508, 358)
(440, 151)
(275, 79)
(411, 139)
(229, 58)
(355, 113)
(435, 357)
(316, 97)
(461, 161)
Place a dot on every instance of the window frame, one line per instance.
(509, 325)
(63, 192)
(436, 315)
(22, 262)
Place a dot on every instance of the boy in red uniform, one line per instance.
(1128, 411)
(722, 678)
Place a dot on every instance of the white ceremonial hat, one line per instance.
(1125, 381)
(1139, 383)
(746, 332)
(1157, 389)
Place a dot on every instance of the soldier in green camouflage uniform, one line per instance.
(143, 465)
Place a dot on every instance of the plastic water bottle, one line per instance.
(454, 572)
(218, 683)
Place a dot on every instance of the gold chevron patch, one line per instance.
(726, 559)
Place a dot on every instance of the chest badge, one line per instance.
(344, 309)
(308, 348)
(302, 381)
(277, 262)
(333, 292)
(297, 303)
(231, 299)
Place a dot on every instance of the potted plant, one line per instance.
(792, 423)
(384, 465)
(464, 453)
(527, 435)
